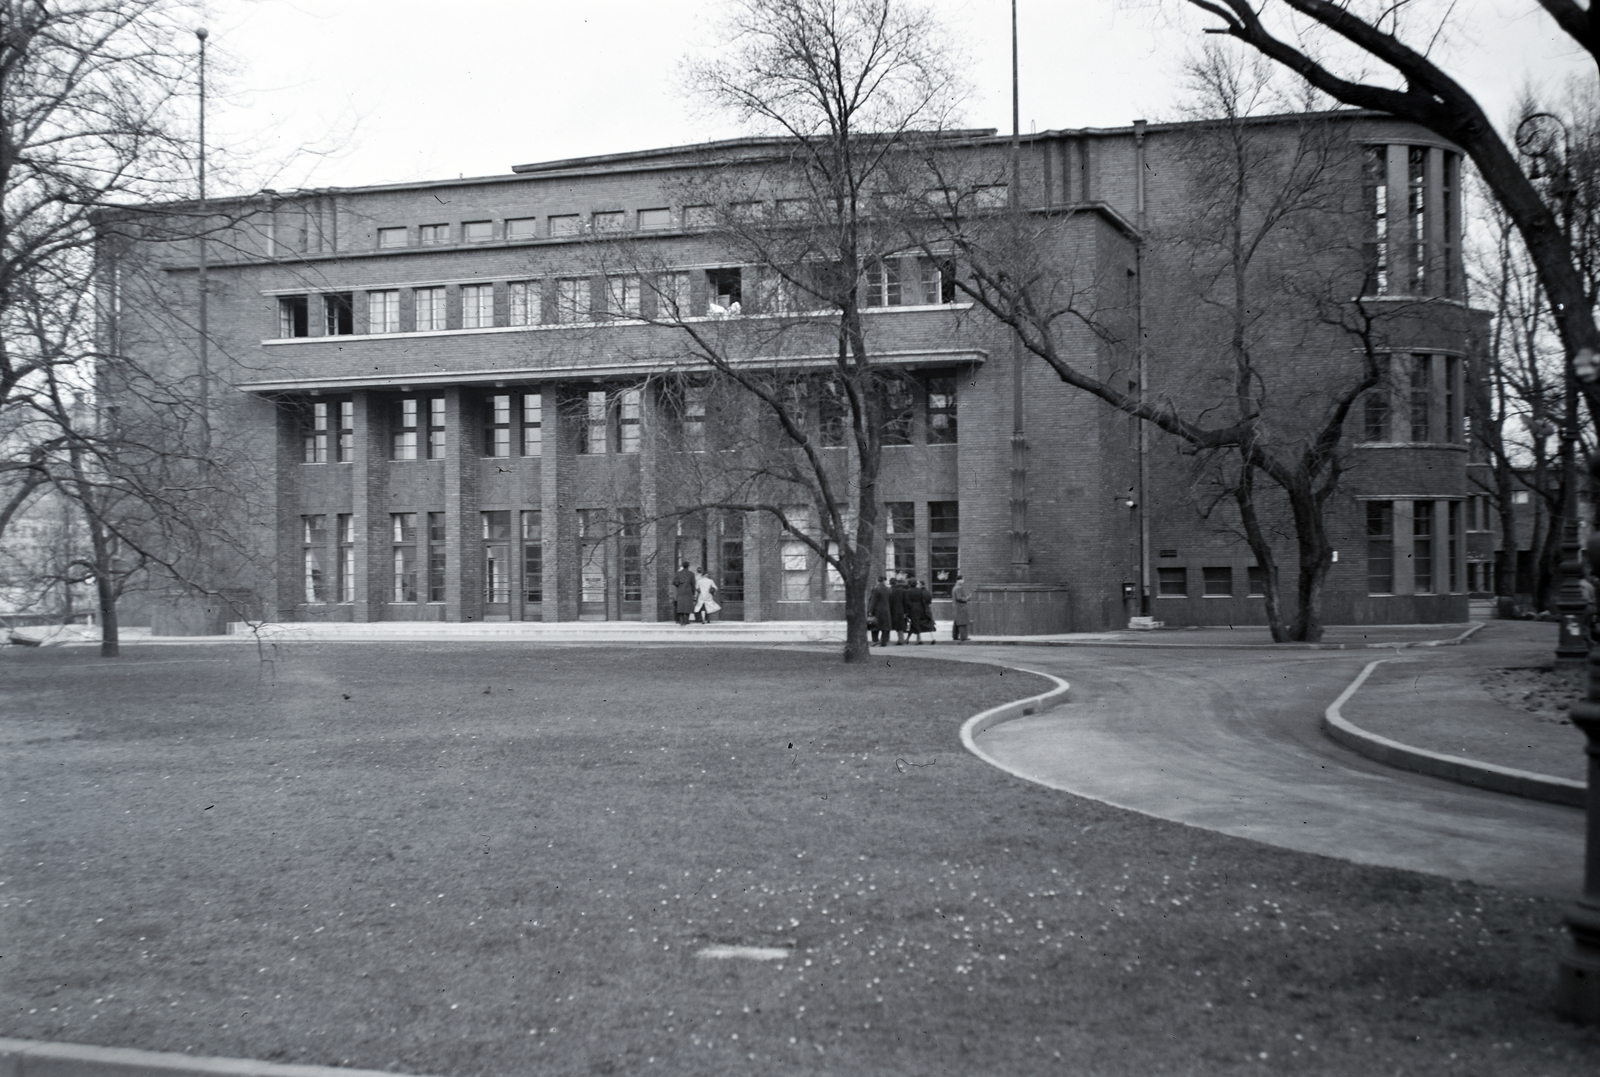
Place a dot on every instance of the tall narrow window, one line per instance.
(942, 410)
(436, 557)
(1452, 399)
(477, 306)
(524, 303)
(496, 562)
(731, 527)
(1421, 398)
(1375, 196)
(632, 562)
(347, 557)
(1453, 511)
(1422, 546)
(1417, 204)
(694, 418)
(572, 300)
(629, 406)
(883, 283)
(833, 412)
(497, 425)
(315, 541)
(383, 311)
(338, 314)
(594, 424)
(900, 550)
(944, 546)
(937, 281)
(347, 431)
(532, 424)
(673, 296)
(429, 305)
(293, 316)
(405, 429)
(404, 537)
(796, 555)
(899, 411)
(1376, 410)
(317, 435)
(532, 556)
(436, 432)
(1380, 547)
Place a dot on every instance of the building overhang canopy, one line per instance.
(631, 369)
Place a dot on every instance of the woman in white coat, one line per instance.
(705, 603)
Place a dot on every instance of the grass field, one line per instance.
(484, 859)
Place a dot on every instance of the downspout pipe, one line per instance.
(1143, 499)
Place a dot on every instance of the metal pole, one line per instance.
(1143, 503)
(205, 359)
(1020, 556)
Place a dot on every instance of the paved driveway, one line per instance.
(1228, 740)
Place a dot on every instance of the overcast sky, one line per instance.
(348, 92)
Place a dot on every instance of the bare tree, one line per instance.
(837, 93)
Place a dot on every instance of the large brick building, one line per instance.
(460, 411)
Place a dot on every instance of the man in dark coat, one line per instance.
(683, 593)
(897, 610)
(878, 612)
(917, 615)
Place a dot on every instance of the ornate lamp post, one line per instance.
(1536, 139)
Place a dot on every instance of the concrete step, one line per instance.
(557, 632)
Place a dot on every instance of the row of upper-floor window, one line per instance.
(669, 296)
(606, 421)
(1412, 203)
(1420, 398)
(650, 219)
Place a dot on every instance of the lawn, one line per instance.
(500, 859)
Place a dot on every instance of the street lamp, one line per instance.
(1537, 140)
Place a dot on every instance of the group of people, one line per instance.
(694, 595)
(904, 606)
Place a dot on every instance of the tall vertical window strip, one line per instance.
(383, 311)
(594, 432)
(497, 426)
(694, 418)
(347, 431)
(1374, 193)
(347, 557)
(1452, 399)
(532, 556)
(1453, 511)
(1447, 257)
(1417, 205)
(532, 424)
(477, 306)
(429, 304)
(1380, 547)
(405, 432)
(1421, 397)
(796, 555)
(900, 549)
(436, 432)
(629, 433)
(1422, 547)
(942, 410)
(523, 303)
(731, 528)
(436, 557)
(632, 570)
(496, 561)
(404, 536)
(944, 546)
(1376, 410)
(317, 436)
(315, 540)
(898, 412)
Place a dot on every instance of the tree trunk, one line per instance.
(1311, 538)
(1244, 495)
(110, 641)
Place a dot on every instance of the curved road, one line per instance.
(1229, 740)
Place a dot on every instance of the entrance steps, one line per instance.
(718, 632)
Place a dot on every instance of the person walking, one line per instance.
(917, 616)
(705, 603)
(897, 611)
(960, 595)
(878, 613)
(683, 593)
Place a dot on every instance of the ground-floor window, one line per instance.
(796, 555)
(404, 526)
(1172, 582)
(900, 545)
(1217, 581)
(1422, 547)
(314, 539)
(436, 557)
(1380, 547)
(632, 561)
(347, 557)
(532, 556)
(944, 545)
(496, 556)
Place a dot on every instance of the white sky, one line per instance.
(350, 92)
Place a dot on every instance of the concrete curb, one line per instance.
(1005, 712)
(35, 1058)
(1023, 641)
(1522, 783)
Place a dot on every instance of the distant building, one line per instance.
(460, 419)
